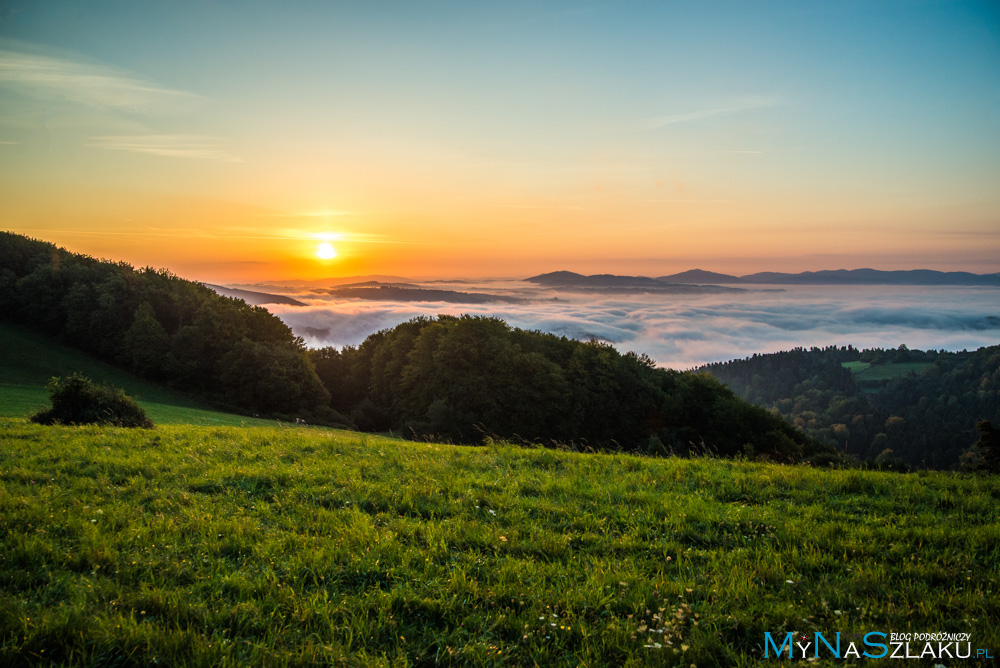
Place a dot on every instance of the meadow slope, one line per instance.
(29, 360)
(226, 546)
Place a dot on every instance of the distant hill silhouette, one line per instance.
(404, 294)
(611, 284)
(571, 279)
(378, 284)
(875, 277)
(343, 280)
(253, 298)
(700, 277)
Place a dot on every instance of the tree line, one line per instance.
(924, 418)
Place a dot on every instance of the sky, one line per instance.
(228, 141)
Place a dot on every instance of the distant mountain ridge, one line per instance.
(875, 277)
(404, 294)
(927, 277)
(700, 276)
(612, 284)
(572, 279)
(252, 297)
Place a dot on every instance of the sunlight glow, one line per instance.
(326, 251)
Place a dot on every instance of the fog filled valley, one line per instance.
(680, 330)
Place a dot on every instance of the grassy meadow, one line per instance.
(28, 360)
(233, 546)
(865, 371)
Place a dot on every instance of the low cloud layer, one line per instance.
(683, 332)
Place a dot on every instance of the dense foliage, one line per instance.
(468, 378)
(897, 408)
(984, 455)
(161, 327)
(78, 400)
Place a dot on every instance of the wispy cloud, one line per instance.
(91, 84)
(745, 104)
(696, 201)
(323, 213)
(170, 146)
(541, 206)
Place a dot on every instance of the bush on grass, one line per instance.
(78, 400)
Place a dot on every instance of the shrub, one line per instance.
(984, 455)
(79, 400)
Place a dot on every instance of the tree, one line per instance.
(145, 343)
(984, 455)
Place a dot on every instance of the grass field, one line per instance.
(222, 546)
(880, 372)
(863, 371)
(856, 367)
(28, 361)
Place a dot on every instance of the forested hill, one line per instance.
(895, 406)
(161, 327)
(470, 378)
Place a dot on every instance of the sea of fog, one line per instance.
(684, 331)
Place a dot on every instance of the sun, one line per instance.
(326, 251)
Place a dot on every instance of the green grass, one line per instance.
(863, 371)
(223, 546)
(856, 367)
(28, 361)
(890, 371)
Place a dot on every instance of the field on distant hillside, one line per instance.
(856, 367)
(227, 546)
(29, 360)
(868, 372)
(878, 372)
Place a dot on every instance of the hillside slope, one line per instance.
(28, 361)
(920, 407)
(160, 327)
(266, 546)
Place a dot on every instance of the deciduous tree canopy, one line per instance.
(467, 378)
(898, 405)
(159, 326)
